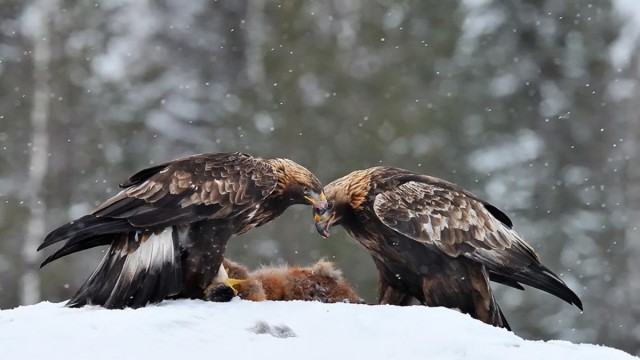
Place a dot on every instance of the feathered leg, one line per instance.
(203, 246)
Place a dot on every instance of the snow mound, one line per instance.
(193, 329)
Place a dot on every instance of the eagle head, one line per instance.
(298, 185)
(344, 196)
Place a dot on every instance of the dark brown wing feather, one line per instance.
(187, 190)
(458, 224)
(451, 221)
(204, 186)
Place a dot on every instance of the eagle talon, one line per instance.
(219, 293)
(223, 291)
(231, 283)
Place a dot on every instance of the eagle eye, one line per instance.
(329, 207)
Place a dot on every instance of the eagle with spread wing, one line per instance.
(434, 243)
(169, 226)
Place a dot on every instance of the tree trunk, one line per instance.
(254, 44)
(37, 28)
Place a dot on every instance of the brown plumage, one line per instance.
(319, 282)
(168, 227)
(434, 243)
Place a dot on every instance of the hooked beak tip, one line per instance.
(323, 223)
(322, 230)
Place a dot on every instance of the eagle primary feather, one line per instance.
(435, 243)
(168, 227)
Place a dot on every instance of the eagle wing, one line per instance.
(187, 190)
(204, 186)
(455, 222)
(451, 221)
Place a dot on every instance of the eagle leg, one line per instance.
(232, 283)
(226, 290)
(223, 288)
(219, 293)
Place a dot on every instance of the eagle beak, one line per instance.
(318, 201)
(324, 222)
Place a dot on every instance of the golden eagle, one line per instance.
(434, 243)
(168, 227)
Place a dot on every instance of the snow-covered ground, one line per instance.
(192, 329)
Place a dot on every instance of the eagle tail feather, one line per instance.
(140, 268)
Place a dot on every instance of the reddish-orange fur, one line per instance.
(319, 282)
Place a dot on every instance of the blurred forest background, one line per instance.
(532, 105)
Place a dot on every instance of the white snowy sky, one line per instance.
(193, 329)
